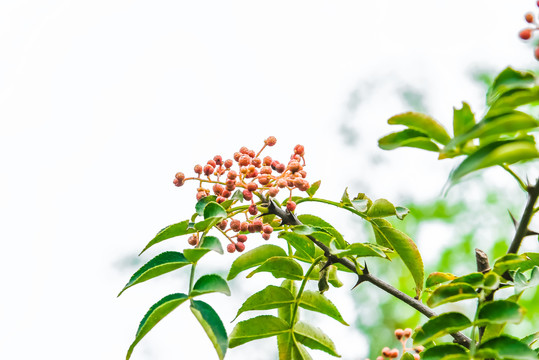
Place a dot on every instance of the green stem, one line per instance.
(192, 277)
(337, 204)
(514, 175)
(522, 229)
(302, 287)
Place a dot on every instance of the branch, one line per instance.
(288, 218)
(522, 228)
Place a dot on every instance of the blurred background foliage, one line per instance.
(474, 214)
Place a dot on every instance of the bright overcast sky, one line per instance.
(101, 102)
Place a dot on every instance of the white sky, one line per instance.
(102, 102)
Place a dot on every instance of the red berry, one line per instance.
(257, 162)
(180, 176)
(386, 352)
(416, 357)
(399, 333)
(273, 191)
(252, 186)
(245, 160)
(222, 224)
(419, 349)
(235, 225)
(228, 163)
(299, 149)
(537, 53)
(251, 153)
(280, 168)
(282, 183)
(193, 240)
(270, 141)
(226, 193)
(212, 163)
(257, 224)
(295, 157)
(407, 332)
(537, 3)
(247, 195)
(218, 189)
(263, 180)
(218, 159)
(265, 170)
(220, 199)
(394, 353)
(208, 170)
(529, 17)
(253, 210)
(266, 236)
(231, 248)
(242, 238)
(304, 185)
(244, 226)
(237, 156)
(201, 194)
(240, 246)
(251, 228)
(290, 206)
(244, 150)
(198, 169)
(525, 34)
(232, 175)
(177, 182)
(267, 161)
(298, 182)
(252, 173)
(267, 229)
(303, 174)
(294, 166)
(230, 185)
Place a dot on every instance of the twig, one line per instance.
(288, 218)
(522, 229)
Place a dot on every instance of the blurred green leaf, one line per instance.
(463, 119)
(422, 123)
(441, 325)
(212, 325)
(509, 79)
(407, 250)
(314, 301)
(272, 297)
(516, 97)
(280, 267)
(159, 265)
(314, 338)
(530, 339)
(509, 262)
(210, 283)
(171, 231)
(289, 349)
(155, 314)
(451, 293)
(497, 153)
(439, 351)
(407, 356)
(474, 279)
(500, 312)
(407, 138)
(254, 258)
(257, 328)
(345, 198)
(363, 249)
(492, 280)
(505, 347)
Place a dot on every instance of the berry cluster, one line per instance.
(250, 177)
(403, 336)
(527, 33)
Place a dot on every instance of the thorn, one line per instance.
(531, 232)
(365, 269)
(513, 218)
(326, 265)
(359, 281)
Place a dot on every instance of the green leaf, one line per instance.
(212, 325)
(407, 250)
(381, 208)
(159, 265)
(439, 351)
(345, 198)
(509, 79)
(254, 258)
(208, 223)
(280, 267)
(314, 338)
(441, 325)
(285, 312)
(201, 204)
(156, 313)
(509, 262)
(422, 123)
(361, 205)
(303, 229)
(313, 188)
(506, 347)
(516, 97)
(289, 349)
(363, 249)
(314, 301)
(407, 138)
(492, 281)
(257, 328)
(171, 231)
(299, 242)
(437, 278)
(380, 238)
(474, 279)
(401, 212)
(497, 153)
(272, 297)
(451, 293)
(207, 244)
(209, 284)
(214, 210)
(318, 223)
(530, 339)
(521, 283)
(500, 312)
(463, 119)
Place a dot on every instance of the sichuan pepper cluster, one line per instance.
(247, 176)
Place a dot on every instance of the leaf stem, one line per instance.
(302, 287)
(514, 175)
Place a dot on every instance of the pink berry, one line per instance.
(244, 150)
(267, 229)
(386, 351)
(220, 199)
(270, 141)
(263, 180)
(294, 166)
(273, 191)
(525, 34)
(208, 170)
(299, 149)
(267, 161)
(253, 210)
(266, 236)
(407, 332)
(247, 195)
(290, 206)
(198, 169)
(242, 238)
(266, 170)
(240, 246)
(399, 333)
(232, 175)
(218, 159)
(237, 156)
(245, 160)
(257, 162)
(280, 168)
(231, 248)
(218, 189)
(226, 193)
(252, 186)
(212, 163)
(251, 153)
(244, 226)
(235, 225)
(228, 163)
